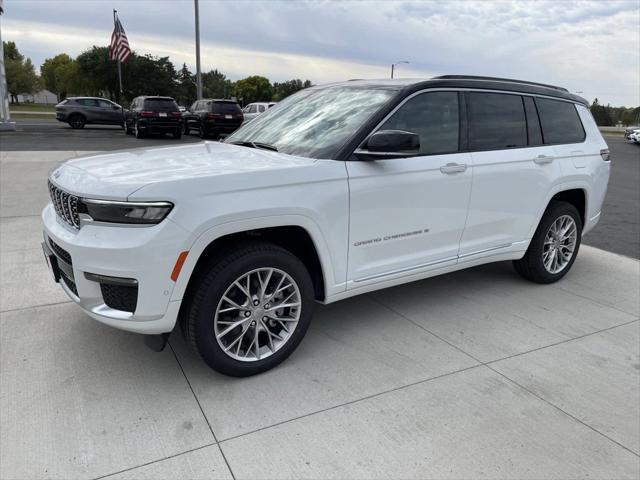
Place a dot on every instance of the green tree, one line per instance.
(253, 89)
(96, 73)
(284, 89)
(21, 75)
(215, 84)
(187, 90)
(601, 114)
(59, 75)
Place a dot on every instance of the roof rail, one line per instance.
(497, 79)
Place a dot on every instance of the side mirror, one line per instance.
(389, 144)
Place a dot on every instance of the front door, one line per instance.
(407, 214)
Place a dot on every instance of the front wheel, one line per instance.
(250, 309)
(554, 246)
(177, 134)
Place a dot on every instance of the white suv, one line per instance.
(336, 191)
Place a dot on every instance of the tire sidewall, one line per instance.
(555, 211)
(210, 293)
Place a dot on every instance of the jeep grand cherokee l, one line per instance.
(336, 191)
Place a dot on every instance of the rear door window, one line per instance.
(434, 116)
(225, 108)
(87, 102)
(560, 121)
(161, 105)
(496, 121)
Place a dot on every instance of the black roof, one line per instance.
(410, 85)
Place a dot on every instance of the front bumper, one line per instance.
(143, 254)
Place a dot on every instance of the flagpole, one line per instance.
(115, 17)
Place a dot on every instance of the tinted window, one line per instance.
(87, 102)
(560, 121)
(533, 123)
(496, 121)
(261, 108)
(433, 116)
(225, 107)
(161, 104)
(105, 104)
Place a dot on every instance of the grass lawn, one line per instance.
(31, 107)
(31, 116)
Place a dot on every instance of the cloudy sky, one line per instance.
(591, 47)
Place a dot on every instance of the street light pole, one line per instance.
(198, 72)
(393, 66)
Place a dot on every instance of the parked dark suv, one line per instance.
(212, 117)
(148, 115)
(79, 111)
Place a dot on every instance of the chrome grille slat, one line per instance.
(65, 205)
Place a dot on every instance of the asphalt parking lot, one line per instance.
(476, 374)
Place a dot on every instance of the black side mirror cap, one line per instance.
(389, 144)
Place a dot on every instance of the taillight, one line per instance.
(604, 153)
(214, 115)
(146, 114)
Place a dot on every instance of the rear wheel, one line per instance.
(77, 121)
(250, 309)
(554, 246)
(137, 132)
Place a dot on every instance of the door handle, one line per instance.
(542, 159)
(453, 168)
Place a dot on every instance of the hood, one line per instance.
(117, 175)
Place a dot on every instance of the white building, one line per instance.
(43, 96)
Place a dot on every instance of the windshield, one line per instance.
(314, 122)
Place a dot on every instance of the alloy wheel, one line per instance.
(257, 314)
(559, 244)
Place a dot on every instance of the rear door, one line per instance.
(109, 112)
(513, 172)
(407, 214)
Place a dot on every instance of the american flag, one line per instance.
(119, 48)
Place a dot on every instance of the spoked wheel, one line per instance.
(559, 244)
(77, 121)
(554, 246)
(257, 314)
(250, 310)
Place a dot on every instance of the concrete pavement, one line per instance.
(477, 374)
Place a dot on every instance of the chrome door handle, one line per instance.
(453, 168)
(542, 159)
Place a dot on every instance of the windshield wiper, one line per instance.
(264, 146)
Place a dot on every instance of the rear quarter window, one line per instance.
(160, 105)
(560, 122)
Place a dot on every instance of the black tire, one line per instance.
(185, 129)
(531, 266)
(202, 132)
(127, 130)
(177, 134)
(211, 285)
(137, 132)
(77, 121)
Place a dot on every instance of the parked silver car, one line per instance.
(79, 111)
(252, 110)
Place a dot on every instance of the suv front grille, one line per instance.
(65, 204)
(61, 252)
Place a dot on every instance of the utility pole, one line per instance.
(198, 72)
(393, 66)
(5, 116)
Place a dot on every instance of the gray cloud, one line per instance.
(590, 46)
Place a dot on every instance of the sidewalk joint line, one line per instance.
(548, 402)
(350, 402)
(155, 461)
(201, 410)
(18, 309)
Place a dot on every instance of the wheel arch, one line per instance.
(576, 197)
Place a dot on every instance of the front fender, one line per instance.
(332, 284)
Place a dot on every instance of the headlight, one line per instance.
(125, 212)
